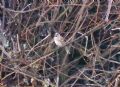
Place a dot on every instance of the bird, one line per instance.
(60, 42)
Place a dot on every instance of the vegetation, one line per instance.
(29, 56)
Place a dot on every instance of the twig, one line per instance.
(18, 43)
(3, 50)
(108, 10)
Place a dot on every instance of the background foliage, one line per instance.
(29, 56)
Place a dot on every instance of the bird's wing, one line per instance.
(61, 39)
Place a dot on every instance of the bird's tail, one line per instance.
(67, 49)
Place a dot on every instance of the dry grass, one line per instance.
(29, 56)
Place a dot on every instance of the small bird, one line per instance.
(59, 41)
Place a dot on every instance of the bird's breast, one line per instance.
(58, 42)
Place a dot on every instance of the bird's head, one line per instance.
(57, 35)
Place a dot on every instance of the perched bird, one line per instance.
(59, 41)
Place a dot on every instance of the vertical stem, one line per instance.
(57, 79)
(108, 10)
